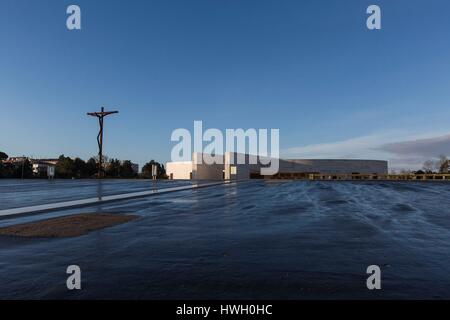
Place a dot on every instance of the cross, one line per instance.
(100, 115)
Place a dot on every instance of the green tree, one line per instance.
(147, 170)
(7, 170)
(22, 169)
(91, 167)
(79, 168)
(65, 167)
(126, 170)
(3, 156)
(113, 168)
(2, 170)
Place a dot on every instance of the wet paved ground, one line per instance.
(156, 189)
(18, 193)
(293, 240)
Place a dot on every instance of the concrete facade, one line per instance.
(230, 170)
(179, 170)
(203, 171)
(196, 169)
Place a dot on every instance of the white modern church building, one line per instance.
(233, 168)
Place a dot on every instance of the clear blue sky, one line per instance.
(310, 68)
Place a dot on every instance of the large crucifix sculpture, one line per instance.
(100, 115)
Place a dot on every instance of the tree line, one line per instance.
(440, 164)
(8, 170)
(436, 166)
(68, 168)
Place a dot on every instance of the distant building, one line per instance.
(181, 170)
(14, 160)
(299, 168)
(41, 166)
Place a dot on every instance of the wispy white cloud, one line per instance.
(403, 150)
